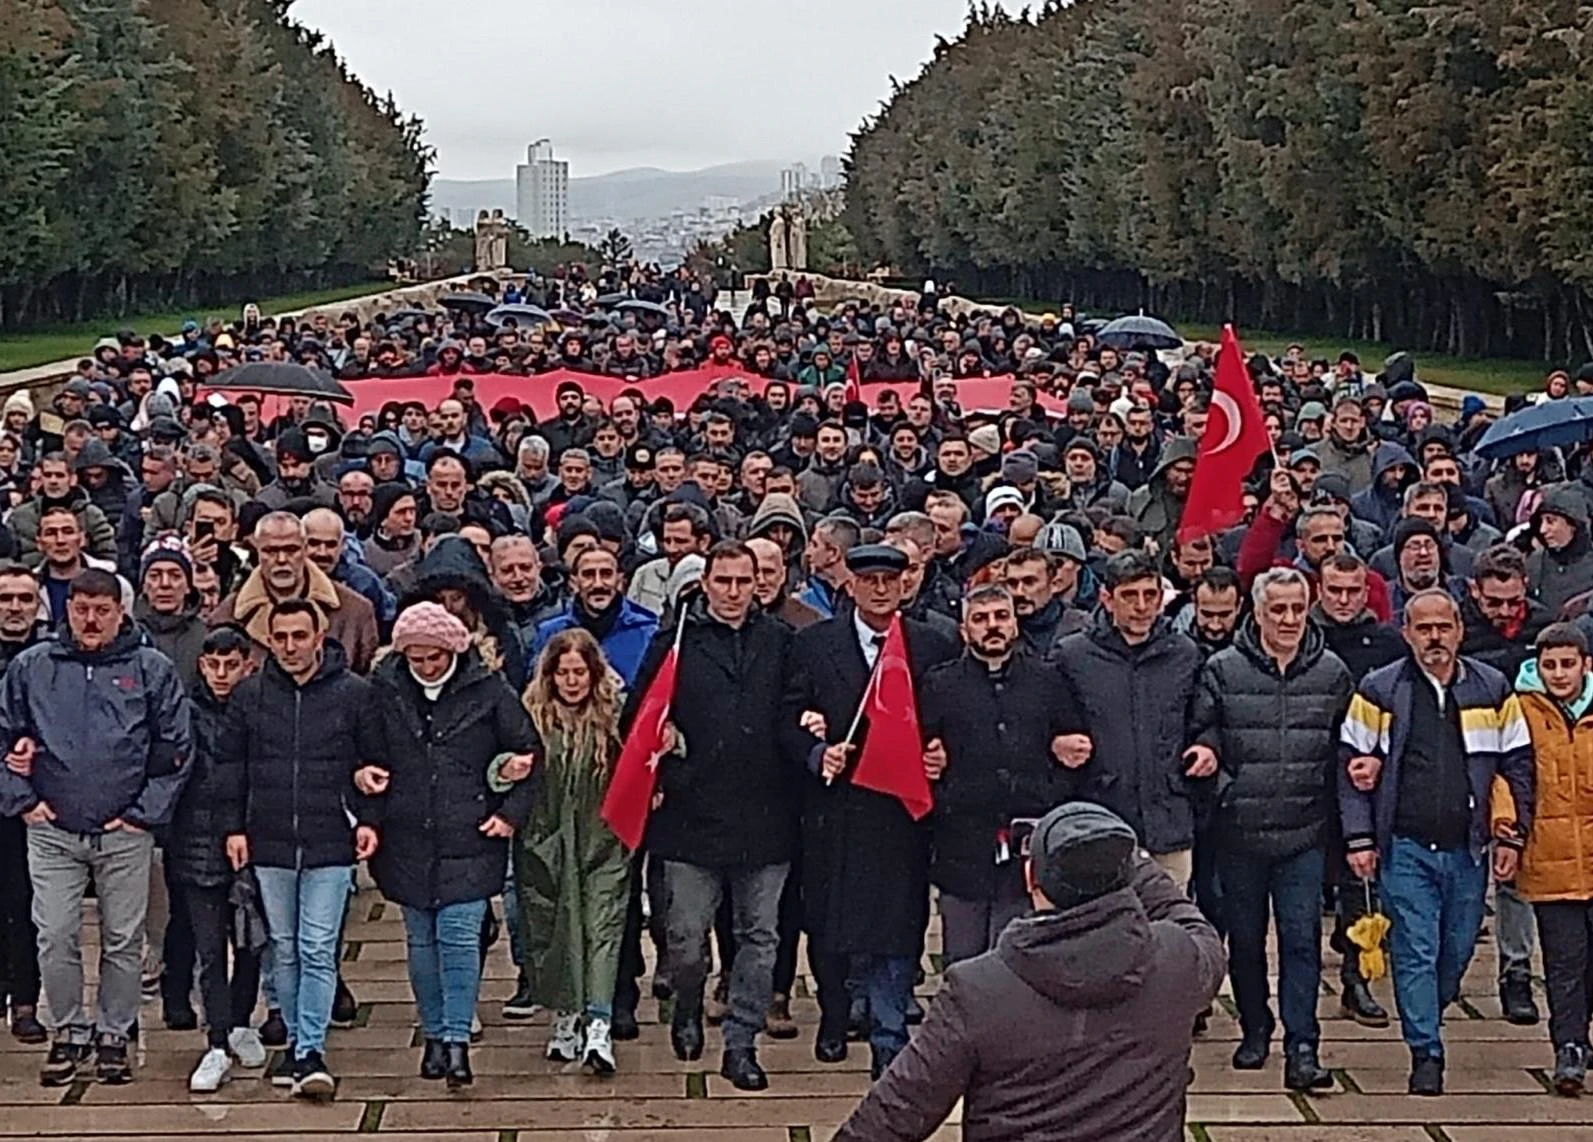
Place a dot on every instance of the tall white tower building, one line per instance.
(542, 189)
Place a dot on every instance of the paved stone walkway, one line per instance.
(1497, 1078)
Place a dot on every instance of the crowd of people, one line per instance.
(248, 646)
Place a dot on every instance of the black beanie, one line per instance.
(385, 498)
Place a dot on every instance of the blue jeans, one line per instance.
(304, 912)
(1435, 899)
(445, 966)
(1293, 889)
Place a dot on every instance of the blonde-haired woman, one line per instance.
(571, 871)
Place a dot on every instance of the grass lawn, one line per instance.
(1479, 374)
(58, 343)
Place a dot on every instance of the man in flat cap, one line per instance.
(1077, 1025)
(865, 861)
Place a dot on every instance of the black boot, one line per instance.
(624, 1026)
(1426, 1076)
(433, 1060)
(685, 1034)
(1252, 1052)
(458, 1060)
(1515, 996)
(741, 1068)
(880, 1062)
(1302, 1071)
(1359, 1004)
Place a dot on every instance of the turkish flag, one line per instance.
(629, 799)
(854, 380)
(1235, 436)
(892, 759)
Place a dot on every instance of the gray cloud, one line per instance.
(677, 84)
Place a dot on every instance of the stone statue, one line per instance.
(492, 242)
(788, 237)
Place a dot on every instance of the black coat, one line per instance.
(1136, 701)
(865, 861)
(1364, 645)
(727, 801)
(289, 753)
(1276, 738)
(195, 842)
(432, 850)
(1484, 642)
(997, 729)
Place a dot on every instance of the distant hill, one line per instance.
(640, 192)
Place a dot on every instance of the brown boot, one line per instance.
(778, 1023)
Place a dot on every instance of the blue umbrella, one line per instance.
(1547, 424)
(1139, 332)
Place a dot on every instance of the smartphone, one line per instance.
(204, 529)
(1022, 833)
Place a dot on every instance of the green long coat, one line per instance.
(572, 875)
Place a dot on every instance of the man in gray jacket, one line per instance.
(1077, 1025)
(97, 725)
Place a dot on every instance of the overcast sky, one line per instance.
(677, 84)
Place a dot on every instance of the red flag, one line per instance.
(1235, 436)
(892, 758)
(854, 380)
(629, 799)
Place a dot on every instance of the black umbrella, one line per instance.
(610, 300)
(1139, 332)
(636, 305)
(400, 316)
(520, 315)
(469, 302)
(568, 316)
(282, 378)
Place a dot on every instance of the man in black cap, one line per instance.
(865, 861)
(296, 477)
(1103, 981)
(571, 428)
(636, 486)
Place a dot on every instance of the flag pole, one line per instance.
(857, 718)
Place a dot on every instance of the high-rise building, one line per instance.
(830, 172)
(793, 181)
(542, 189)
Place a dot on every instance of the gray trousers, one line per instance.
(693, 895)
(970, 928)
(1515, 931)
(61, 865)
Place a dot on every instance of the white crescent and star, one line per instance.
(1232, 417)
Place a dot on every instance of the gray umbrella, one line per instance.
(520, 314)
(1139, 332)
(468, 301)
(636, 305)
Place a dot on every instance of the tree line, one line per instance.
(166, 153)
(1421, 174)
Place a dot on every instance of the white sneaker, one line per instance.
(565, 1044)
(246, 1045)
(214, 1068)
(477, 1031)
(599, 1055)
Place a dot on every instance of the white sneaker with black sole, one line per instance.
(598, 1056)
(215, 1068)
(564, 1046)
(247, 1048)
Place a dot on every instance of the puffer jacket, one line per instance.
(433, 852)
(113, 729)
(1276, 739)
(1136, 701)
(195, 843)
(288, 755)
(1555, 864)
(1075, 1026)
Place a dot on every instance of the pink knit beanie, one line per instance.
(428, 624)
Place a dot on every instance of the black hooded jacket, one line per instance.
(453, 563)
